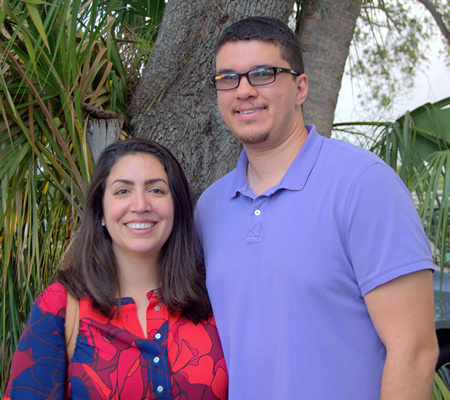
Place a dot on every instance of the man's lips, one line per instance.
(246, 112)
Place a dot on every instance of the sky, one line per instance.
(431, 84)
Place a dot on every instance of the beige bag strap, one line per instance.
(71, 324)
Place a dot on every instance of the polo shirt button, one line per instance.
(159, 388)
(157, 308)
(158, 336)
(257, 212)
(156, 360)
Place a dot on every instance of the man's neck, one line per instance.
(267, 166)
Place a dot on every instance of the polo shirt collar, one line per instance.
(297, 174)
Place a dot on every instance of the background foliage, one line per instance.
(392, 42)
(59, 60)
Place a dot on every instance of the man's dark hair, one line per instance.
(266, 29)
(90, 266)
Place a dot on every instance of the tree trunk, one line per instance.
(325, 39)
(174, 102)
(101, 133)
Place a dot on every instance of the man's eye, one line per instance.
(261, 73)
(227, 77)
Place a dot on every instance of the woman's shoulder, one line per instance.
(209, 320)
(190, 328)
(53, 299)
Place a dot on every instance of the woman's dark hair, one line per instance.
(267, 29)
(90, 267)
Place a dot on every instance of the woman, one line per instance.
(145, 326)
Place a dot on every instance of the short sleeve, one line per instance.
(385, 237)
(39, 364)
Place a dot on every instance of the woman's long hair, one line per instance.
(90, 267)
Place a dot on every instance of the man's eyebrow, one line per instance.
(229, 70)
(225, 71)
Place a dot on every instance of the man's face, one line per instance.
(260, 114)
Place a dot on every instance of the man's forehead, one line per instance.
(254, 41)
(244, 51)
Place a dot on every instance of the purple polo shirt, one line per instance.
(287, 271)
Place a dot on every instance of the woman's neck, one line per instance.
(137, 276)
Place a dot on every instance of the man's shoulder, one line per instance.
(358, 166)
(348, 160)
(340, 148)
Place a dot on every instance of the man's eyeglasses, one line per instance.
(256, 77)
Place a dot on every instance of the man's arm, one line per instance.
(402, 312)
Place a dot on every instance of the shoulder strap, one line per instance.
(71, 324)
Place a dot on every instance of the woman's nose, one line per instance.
(141, 202)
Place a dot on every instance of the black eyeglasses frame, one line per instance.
(276, 70)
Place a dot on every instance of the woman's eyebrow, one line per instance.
(131, 183)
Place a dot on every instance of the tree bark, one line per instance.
(174, 102)
(101, 133)
(438, 17)
(325, 39)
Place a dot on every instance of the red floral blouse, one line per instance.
(113, 358)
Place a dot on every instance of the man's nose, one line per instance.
(245, 89)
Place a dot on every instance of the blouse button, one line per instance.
(159, 388)
(158, 336)
(257, 212)
(157, 308)
(156, 359)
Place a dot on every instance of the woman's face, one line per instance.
(138, 207)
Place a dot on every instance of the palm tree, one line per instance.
(61, 63)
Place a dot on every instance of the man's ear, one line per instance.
(302, 89)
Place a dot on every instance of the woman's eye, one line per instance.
(157, 191)
(121, 191)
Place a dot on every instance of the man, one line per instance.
(318, 269)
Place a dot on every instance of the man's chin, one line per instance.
(252, 137)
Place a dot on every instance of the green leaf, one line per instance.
(3, 9)
(34, 13)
